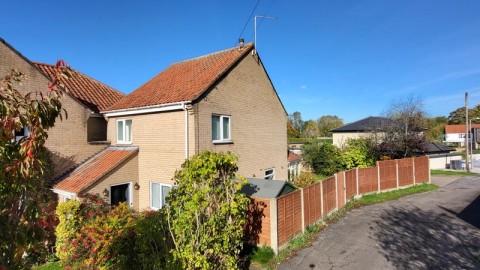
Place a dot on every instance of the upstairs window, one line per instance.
(221, 128)
(124, 131)
(269, 174)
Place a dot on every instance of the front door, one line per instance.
(119, 193)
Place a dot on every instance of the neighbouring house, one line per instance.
(224, 101)
(83, 133)
(456, 134)
(367, 127)
(294, 165)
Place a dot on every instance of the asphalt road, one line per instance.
(433, 230)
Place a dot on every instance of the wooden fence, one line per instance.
(289, 215)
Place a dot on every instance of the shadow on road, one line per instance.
(418, 239)
(471, 213)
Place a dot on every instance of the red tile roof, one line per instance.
(88, 173)
(183, 81)
(293, 157)
(93, 94)
(449, 129)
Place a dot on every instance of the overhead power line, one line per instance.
(249, 18)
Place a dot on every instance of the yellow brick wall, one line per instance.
(161, 141)
(68, 138)
(258, 120)
(127, 172)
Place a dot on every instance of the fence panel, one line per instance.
(388, 174)
(368, 180)
(351, 183)
(289, 216)
(312, 203)
(421, 169)
(329, 197)
(405, 172)
(341, 189)
(257, 230)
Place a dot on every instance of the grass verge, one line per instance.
(444, 172)
(305, 240)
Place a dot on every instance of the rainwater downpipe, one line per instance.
(184, 108)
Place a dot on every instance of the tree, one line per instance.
(24, 166)
(310, 129)
(403, 135)
(457, 117)
(292, 132)
(207, 212)
(324, 158)
(328, 122)
(436, 129)
(296, 120)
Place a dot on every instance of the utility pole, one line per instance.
(467, 165)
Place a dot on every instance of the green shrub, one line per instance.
(323, 158)
(70, 221)
(358, 153)
(305, 179)
(153, 241)
(262, 254)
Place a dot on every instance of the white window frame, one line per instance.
(222, 139)
(130, 192)
(162, 203)
(26, 133)
(267, 176)
(124, 127)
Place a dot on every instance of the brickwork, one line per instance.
(161, 141)
(68, 138)
(258, 120)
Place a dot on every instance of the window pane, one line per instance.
(155, 193)
(128, 130)
(119, 131)
(165, 190)
(226, 128)
(215, 127)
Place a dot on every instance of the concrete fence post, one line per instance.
(336, 191)
(274, 225)
(378, 175)
(396, 173)
(413, 170)
(344, 187)
(303, 209)
(321, 197)
(356, 180)
(429, 172)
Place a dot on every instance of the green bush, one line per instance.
(305, 179)
(153, 241)
(358, 153)
(323, 158)
(262, 254)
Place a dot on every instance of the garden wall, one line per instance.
(289, 215)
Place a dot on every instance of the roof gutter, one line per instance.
(147, 109)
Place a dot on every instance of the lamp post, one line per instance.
(471, 139)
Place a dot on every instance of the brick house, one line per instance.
(222, 101)
(83, 133)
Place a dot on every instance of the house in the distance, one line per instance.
(456, 134)
(223, 101)
(83, 132)
(367, 127)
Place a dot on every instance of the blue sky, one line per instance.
(345, 58)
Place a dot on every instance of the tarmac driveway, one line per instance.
(433, 230)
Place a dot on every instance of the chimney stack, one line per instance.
(241, 41)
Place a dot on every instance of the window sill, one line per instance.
(99, 142)
(223, 142)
